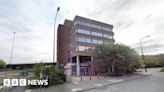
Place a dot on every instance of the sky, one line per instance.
(33, 22)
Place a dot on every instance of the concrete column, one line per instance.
(71, 66)
(70, 59)
(77, 66)
(91, 58)
(92, 65)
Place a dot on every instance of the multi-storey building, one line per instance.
(77, 39)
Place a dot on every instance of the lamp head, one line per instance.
(58, 8)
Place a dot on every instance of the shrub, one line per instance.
(2, 64)
(55, 76)
(37, 69)
(154, 60)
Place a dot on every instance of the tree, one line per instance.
(118, 58)
(105, 53)
(130, 56)
(161, 59)
(154, 60)
(151, 61)
(2, 64)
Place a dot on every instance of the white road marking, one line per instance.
(115, 80)
(76, 89)
(28, 90)
(99, 85)
(76, 82)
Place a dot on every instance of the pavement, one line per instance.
(79, 86)
(5, 89)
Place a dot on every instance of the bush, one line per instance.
(154, 60)
(55, 76)
(37, 69)
(151, 61)
(2, 64)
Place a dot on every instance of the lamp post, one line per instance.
(142, 51)
(54, 38)
(12, 49)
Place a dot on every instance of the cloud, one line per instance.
(132, 19)
(33, 22)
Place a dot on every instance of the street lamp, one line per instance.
(142, 51)
(54, 37)
(12, 49)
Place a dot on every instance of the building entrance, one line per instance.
(84, 70)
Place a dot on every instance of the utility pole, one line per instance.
(143, 57)
(12, 50)
(54, 39)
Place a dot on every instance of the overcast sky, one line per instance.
(33, 21)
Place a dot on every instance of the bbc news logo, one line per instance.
(24, 82)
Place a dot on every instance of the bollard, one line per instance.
(81, 78)
(90, 77)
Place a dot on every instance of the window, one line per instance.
(107, 28)
(82, 23)
(97, 34)
(80, 31)
(93, 25)
(80, 39)
(88, 40)
(107, 36)
(83, 31)
(100, 42)
(87, 32)
(94, 33)
(94, 41)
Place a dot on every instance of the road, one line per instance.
(154, 83)
(17, 89)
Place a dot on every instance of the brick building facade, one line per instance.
(77, 39)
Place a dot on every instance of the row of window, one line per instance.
(88, 40)
(94, 25)
(83, 31)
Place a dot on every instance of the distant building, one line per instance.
(27, 65)
(77, 38)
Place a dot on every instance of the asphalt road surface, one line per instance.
(17, 89)
(154, 83)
